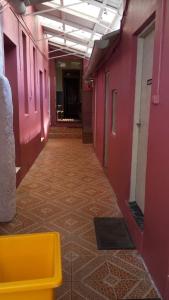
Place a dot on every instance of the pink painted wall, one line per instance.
(153, 243)
(52, 67)
(29, 124)
(100, 116)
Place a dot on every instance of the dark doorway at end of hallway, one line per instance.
(71, 88)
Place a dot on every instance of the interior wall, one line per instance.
(30, 143)
(53, 78)
(153, 243)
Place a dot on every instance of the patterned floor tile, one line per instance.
(89, 268)
(71, 222)
(47, 211)
(131, 268)
(139, 291)
(83, 291)
(63, 191)
(93, 209)
(64, 292)
(19, 223)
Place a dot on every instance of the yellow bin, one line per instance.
(30, 266)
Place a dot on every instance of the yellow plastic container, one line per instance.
(30, 266)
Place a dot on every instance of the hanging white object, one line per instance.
(7, 154)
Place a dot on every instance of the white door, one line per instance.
(141, 116)
(106, 120)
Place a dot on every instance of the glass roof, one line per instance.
(76, 24)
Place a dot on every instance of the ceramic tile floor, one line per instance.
(63, 191)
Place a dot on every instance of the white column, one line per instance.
(1, 48)
(7, 146)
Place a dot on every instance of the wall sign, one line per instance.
(149, 82)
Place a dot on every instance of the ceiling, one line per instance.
(73, 25)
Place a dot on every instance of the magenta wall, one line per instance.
(153, 243)
(52, 70)
(99, 116)
(29, 134)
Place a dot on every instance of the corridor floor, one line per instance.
(63, 191)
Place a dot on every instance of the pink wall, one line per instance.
(29, 124)
(153, 243)
(100, 116)
(52, 67)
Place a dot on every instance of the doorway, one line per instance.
(71, 90)
(141, 115)
(10, 61)
(106, 119)
(41, 103)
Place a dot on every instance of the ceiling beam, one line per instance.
(69, 37)
(118, 15)
(72, 50)
(99, 20)
(53, 8)
(70, 13)
(56, 50)
(60, 7)
(58, 34)
(70, 23)
(100, 5)
(67, 54)
(60, 47)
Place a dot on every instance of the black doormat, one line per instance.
(112, 233)
(137, 214)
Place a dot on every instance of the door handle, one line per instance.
(138, 124)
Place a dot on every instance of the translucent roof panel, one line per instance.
(80, 47)
(57, 40)
(56, 2)
(76, 24)
(78, 33)
(96, 36)
(86, 9)
(69, 2)
(108, 16)
(70, 44)
(89, 51)
(76, 46)
(51, 23)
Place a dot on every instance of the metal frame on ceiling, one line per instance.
(80, 23)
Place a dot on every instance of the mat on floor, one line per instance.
(112, 233)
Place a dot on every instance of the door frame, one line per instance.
(71, 77)
(95, 112)
(41, 97)
(106, 121)
(137, 102)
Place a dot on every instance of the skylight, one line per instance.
(57, 40)
(51, 23)
(78, 33)
(108, 16)
(87, 9)
(76, 46)
(76, 24)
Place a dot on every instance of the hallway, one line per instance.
(63, 191)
